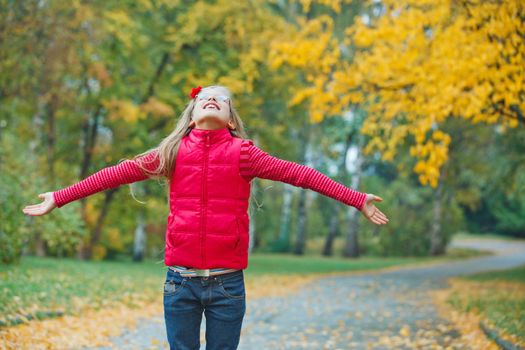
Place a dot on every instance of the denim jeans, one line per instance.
(221, 297)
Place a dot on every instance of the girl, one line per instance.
(209, 164)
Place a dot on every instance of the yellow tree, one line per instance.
(313, 50)
(414, 64)
(419, 63)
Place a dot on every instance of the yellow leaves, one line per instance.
(122, 110)
(91, 328)
(300, 96)
(129, 112)
(335, 5)
(236, 85)
(91, 214)
(99, 252)
(436, 155)
(409, 77)
(157, 108)
(363, 38)
(458, 304)
(314, 51)
(432, 154)
(99, 72)
(439, 135)
(119, 23)
(312, 48)
(405, 331)
(145, 4)
(114, 238)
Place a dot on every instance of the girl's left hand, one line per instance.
(370, 211)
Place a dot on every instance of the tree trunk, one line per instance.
(139, 240)
(283, 241)
(437, 246)
(351, 248)
(332, 233)
(300, 240)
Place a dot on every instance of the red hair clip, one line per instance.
(195, 91)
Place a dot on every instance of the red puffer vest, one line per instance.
(208, 221)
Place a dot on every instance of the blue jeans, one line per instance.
(221, 297)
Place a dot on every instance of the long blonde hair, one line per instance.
(166, 152)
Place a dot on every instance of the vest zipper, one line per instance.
(204, 196)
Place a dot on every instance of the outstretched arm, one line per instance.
(256, 163)
(110, 177)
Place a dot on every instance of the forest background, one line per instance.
(419, 102)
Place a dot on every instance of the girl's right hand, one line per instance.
(42, 208)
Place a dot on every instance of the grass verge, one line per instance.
(495, 300)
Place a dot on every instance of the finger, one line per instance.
(31, 206)
(377, 219)
(380, 213)
(378, 199)
(34, 211)
(382, 216)
(381, 220)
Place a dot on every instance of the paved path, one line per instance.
(351, 312)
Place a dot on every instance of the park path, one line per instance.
(351, 312)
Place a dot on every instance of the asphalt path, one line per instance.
(365, 311)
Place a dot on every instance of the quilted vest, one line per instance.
(208, 224)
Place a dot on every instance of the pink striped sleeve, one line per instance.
(256, 163)
(110, 177)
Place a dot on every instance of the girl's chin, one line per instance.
(210, 121)
(211, 118)
(210, 115)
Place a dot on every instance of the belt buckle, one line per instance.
(202, 272)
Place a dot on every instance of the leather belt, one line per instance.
(192, 272)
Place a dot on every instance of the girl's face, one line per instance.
(212, 109)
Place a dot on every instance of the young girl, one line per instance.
(209, 164)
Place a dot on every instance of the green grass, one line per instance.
(466, 235)
(502, 304)
(42, 284)
(315, 263)
(516, 274)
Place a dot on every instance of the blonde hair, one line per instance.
(166, 152)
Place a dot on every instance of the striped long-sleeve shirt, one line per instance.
(253, 163)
